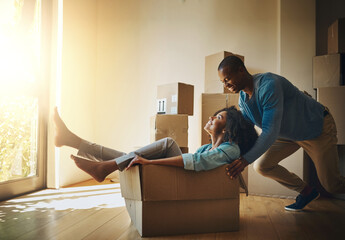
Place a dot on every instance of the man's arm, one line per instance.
(271, 98)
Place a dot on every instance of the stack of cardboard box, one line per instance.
(329, 74)
(328, 79)
(175, 102)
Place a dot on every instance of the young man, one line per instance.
(289, 119)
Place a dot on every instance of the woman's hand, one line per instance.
(138, 160)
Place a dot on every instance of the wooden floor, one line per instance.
(98, 212)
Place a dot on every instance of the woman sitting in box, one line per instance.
(231, 136)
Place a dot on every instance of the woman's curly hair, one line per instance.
(238, 129)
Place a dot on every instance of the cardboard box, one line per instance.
(212, 81)
(164, 200)
(336, 37)
(184, 149)
(169, 125)
(175, 98)
(334, 98)
(328, 70)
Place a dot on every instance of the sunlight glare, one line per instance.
(19, 47)
(76, 198)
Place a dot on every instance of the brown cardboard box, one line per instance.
(170, 125)
(175, 98)
(334, 99)
(212, 81)
(184, 149)
(164, 200)
(336, 37)
(212, 102)
(328, 70)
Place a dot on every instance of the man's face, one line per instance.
(232, 80)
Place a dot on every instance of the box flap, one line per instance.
(243, 184)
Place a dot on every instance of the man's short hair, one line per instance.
(231, 62)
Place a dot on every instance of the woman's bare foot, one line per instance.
(63, 136)
(97, 170)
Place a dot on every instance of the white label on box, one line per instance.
(173, 110)
(174, 98)
(161, 105)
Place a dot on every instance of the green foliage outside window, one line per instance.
(18, 134)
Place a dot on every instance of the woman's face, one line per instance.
(216, 124)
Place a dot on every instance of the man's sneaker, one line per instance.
(302, 201)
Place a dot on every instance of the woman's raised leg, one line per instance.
(98, 170)
(63, 136)
(162, 148)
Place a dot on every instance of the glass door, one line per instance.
(22, 98)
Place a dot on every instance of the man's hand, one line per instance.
(138, 160)
(236, 167)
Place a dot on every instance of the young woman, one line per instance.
(231, 136)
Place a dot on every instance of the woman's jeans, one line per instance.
(162, 148)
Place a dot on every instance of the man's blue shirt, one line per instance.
(281, 111)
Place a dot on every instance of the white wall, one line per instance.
(78, 75)
(117, 52)
(142, 44)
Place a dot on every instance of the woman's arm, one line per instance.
(172, 161)
(210, 159)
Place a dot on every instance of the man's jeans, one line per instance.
(323, 152)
